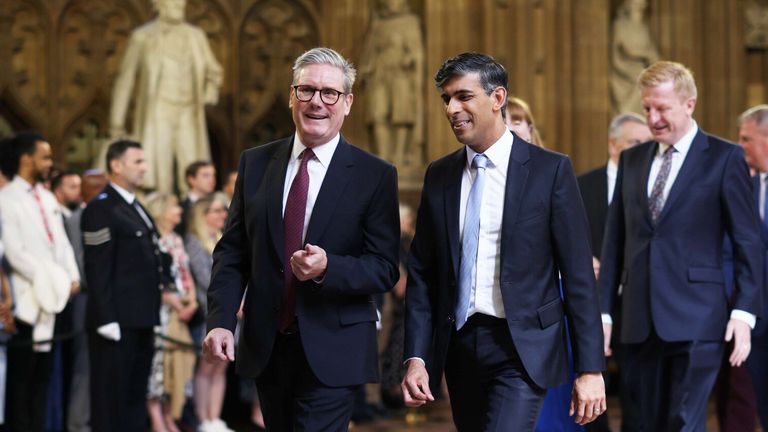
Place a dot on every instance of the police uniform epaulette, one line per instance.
(101, 196)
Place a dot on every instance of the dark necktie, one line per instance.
(293, 231)
(656, 201)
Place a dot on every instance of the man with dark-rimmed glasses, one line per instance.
(313, 233)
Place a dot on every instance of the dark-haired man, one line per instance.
(124, 270)
(201, 181)
(498, 220)
(43, 275)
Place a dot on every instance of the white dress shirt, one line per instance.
(763, 176)
(317, 167)
(486, 294)
(610, 172)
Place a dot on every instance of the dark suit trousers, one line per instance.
(293, 399)
(757, 363)
(119, 379)
(489, 389)
(672, 381)
(28, 376)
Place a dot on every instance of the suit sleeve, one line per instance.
(231, 263)
(570, 232)
(418, 308)
(742, 223)
(99, 257)
(375, 270)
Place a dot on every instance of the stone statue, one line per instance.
(392, 73)
(632, 50)
(177, 75)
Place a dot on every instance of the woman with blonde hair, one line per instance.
(206, 222)
(519, 120)
(173, 364)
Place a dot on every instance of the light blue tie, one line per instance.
(467, 267)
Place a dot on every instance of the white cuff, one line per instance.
(110, 331)
(416, 358)
(607, 319)
(745, 316)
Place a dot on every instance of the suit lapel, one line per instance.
(517, 177)
(642, 185)
(331, 191)
(688, 171)
(451, 199)
(275, 177)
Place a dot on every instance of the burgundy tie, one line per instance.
(293, 230)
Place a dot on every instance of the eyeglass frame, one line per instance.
(295, 88)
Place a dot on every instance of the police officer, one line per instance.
(125, 270)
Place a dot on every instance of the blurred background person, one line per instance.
(200, 177)
(229, 185)
(93, 182)
(172, 365)
(519, 119)
(206, 221)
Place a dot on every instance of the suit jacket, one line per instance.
(355, 219)
(544, 232)
(672, 271)
(123, 264)
(594, 192)
(28, 248)
(761, 329)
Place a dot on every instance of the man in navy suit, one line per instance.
(314, 234)
(753, 137)
(675, 200)
(499, 220)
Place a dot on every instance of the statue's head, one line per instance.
(170, 10)
(393, 7)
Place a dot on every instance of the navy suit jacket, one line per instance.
(594, 192)
(355, 219)
(544, 231)
(672, 272)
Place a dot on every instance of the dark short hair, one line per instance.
(194, 167)
(492, 73)
(57, 177)
(117, 149)
(23, 143)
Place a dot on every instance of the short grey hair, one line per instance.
(614, 129)
(758, 114)
(326, 56)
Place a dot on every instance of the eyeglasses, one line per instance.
(305, 93)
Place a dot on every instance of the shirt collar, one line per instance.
(497, 154)
(22, 184)
(611, 168)
(65, 211)
(683, 144)
(323, 152)
(127, 196)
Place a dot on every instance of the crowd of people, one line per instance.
(109, 291)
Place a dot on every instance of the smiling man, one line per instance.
(676, 198)
(498, 220)
(313, 233)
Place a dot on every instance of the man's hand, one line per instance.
(309, 263)
(607, 328)
(588, 400)
(741, 334)
(415, 385)
(596, 267)
(74, 288)
(219, 345)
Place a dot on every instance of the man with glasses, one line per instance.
(313, 233)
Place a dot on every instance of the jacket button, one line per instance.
(450, 318)
(281, 270)
(139, 233)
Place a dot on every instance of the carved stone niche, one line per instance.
(756, 24)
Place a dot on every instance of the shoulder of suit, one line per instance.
(592, 174)
(363, 155)
(267, 149)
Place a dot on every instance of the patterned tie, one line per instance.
(293, 230)
(656, 201)
(468, 267)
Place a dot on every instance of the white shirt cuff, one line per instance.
(415, 358)
(110, 331)
(607, 319)
(744, 316)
